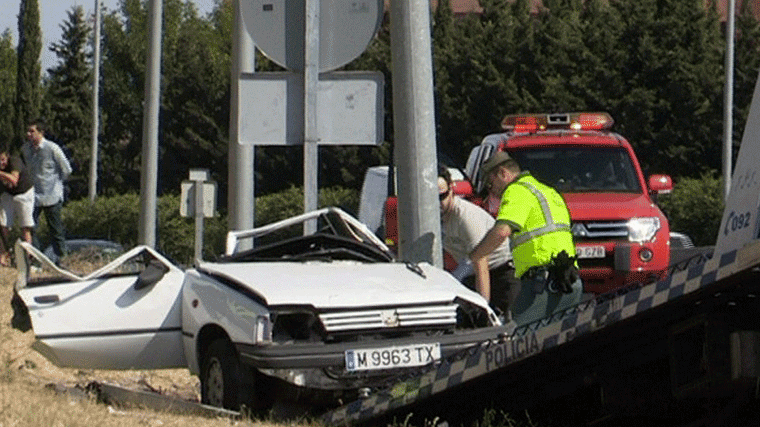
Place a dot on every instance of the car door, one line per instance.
(126, 315)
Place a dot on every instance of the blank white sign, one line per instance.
(350, 108)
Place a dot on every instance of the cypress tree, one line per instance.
(68, 106)
(7, 86)
(28, 77)
(671, 106)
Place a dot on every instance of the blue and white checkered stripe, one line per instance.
(532, 339)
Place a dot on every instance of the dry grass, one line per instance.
(30, 386)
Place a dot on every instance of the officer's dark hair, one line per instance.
(443, 172)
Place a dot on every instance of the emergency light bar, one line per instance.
(574, 121)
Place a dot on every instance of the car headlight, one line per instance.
(643, 229)
(296, 325)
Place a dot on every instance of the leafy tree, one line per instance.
(8, 63)
(601, 83)
(28, 71)
(746, 67)
(122, 92)
(194, 114)
(560, 54)
(195, 104)
(695, 207)
(672, 75)
(655, 65)
(69, 97)
(483, 71)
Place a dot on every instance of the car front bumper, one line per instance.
(321, 355)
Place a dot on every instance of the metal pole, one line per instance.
(198, 188)
(728, 104)
(240, 198)
(95, 104)
(413, 115)
(310, 81)
(149, 175)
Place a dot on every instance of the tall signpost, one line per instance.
(311, 38)
(313, 105)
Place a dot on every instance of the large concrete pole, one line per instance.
(149, 170)
(240, 198)
(310, 139)
(414, 133)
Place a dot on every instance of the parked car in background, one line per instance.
(680, 241)
(325, 317)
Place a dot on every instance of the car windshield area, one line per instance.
(581, 169)
(338, 236)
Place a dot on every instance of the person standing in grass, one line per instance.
(16, 201)
(49, 168)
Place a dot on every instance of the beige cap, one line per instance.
(495, 160)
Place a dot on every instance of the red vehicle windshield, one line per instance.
(581, 169)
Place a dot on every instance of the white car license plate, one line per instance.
(392, 357)
(590, 252)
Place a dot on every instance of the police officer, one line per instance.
(534, 216)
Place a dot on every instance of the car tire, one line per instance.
(224, 382)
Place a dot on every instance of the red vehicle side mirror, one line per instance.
(660, 184)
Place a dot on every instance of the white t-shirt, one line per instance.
(464, 226)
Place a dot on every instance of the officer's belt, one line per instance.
(534, 272)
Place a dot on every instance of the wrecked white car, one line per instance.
(329, 315)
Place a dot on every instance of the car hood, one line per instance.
(609, 206)
(344, 283)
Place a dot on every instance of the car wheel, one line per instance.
(222, 379)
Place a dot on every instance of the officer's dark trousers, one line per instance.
(530, 306)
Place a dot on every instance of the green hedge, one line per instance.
(116, 218)
(695, 208)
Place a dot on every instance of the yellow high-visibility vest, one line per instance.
(540, 222)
